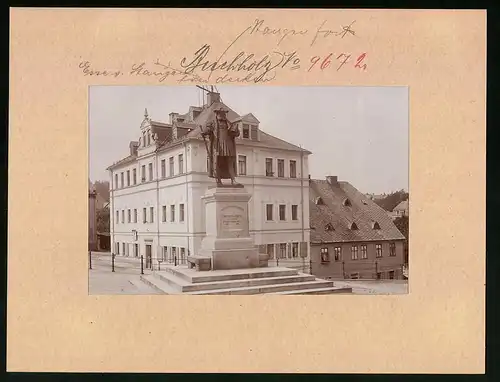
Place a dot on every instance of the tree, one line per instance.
(103, 220)
(392, 200)
(402, 224)
(102, 188)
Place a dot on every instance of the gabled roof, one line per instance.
(362, 211)
(189, 130)
(247, 118)
(403, 206)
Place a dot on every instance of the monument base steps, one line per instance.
(272, 280)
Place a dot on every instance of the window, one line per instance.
(269, 212)
(281, 168)
(282, 210)
(375, 225)
(183, 255)
(325, 256)
(242, 165)
(123, 216)
(143, 173)
(269, 167)
(347, 202)
(270, 250)
(134, 176)
(121, 180)
(282, 250)
(295, 209)
(149, 137)
(152, 214)
(164, 214)
(128, 178)
(379, 275)
(129, 216)
(353, 226)
(163, 169)
(293, 169)
(354, 252)
(135, 215)
(338, 253)
(364, 254)
(246, 131)
(295, 250)
(117, 216)
(123, 248)
(181, 163)
(174, 253)
(354, 276)
(172, 212)
(329, 227)
(144, 139)
(117, 248)
(144, 218)
(116, 180)
(150, 170)
(164, 255)
(181, 212)
(378, 250)
(392, 249)
(391, 275)
(171, 166)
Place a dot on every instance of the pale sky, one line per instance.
(358, 133)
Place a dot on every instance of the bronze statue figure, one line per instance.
(221, 147)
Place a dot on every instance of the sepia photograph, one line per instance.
(242, 190)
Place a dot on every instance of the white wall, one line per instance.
(188, 189)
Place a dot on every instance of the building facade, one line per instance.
(351, 236)
(92, 218)
(156, 192)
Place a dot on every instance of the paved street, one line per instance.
(375, 286)
(125, 279)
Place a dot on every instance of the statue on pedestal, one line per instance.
(221, 147)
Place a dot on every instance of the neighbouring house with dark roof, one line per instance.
(156, 206)
(351, 236)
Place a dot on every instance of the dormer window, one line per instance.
(329, 227)
(375, 225)
(318, 201)
(246, 131)
(353, 226)
(347, 202)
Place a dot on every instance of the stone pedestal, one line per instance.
(228, 242)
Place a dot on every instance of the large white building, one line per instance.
(156, 192)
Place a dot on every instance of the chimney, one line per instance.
(173, 117)
(213, 97)
(332, 180)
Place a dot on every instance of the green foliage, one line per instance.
(102, 189)
(103, 220)
(392, 200)
(402, 224)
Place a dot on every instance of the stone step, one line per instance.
(193, 276)
(157, 284)
(174, 282)
(331, 290)
(183, 286)
(262, 289)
